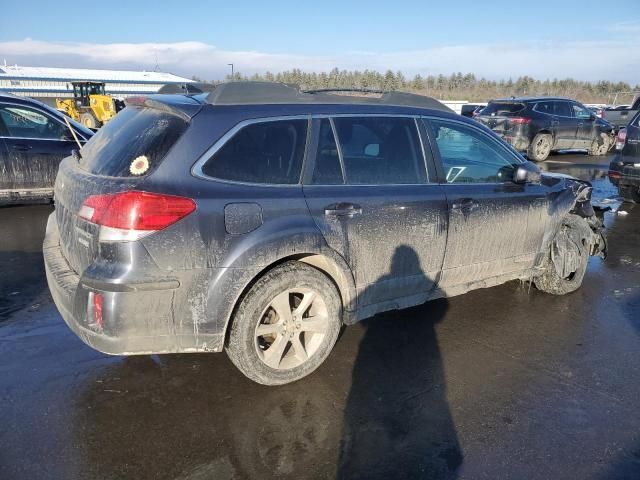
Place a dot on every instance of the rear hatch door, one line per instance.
(497, 115)
(119, 157)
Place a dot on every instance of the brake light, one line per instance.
(520, 120)
(133, 214)
(621, 138)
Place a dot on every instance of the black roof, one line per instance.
(270, 93)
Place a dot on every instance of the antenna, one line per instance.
(157, 67)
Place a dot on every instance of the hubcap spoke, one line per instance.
(287, 337)
(305, 303)
(298, 348)
(273, 355)
(269, 329)
(314, 324)
(282, 307)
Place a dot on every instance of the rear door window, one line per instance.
(545, 107)
(327, 170)
(269, 152)
(563, 109)
(28, 123)
(380, 150)
(133, 143)
(503, 108)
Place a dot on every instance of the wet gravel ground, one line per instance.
(504, 382)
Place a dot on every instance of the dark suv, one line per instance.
(541, 125)
(258, 219)
(624, 169)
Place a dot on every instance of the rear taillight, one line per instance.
(621, 138)
(134, 214)
(520, 120)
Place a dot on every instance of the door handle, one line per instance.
(580, 124)
(465, 204)
(342, 210)
(21, 147)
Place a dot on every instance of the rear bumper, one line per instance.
(138, 319)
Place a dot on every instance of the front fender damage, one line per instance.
(593, 215)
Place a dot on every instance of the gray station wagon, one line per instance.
(259, 219)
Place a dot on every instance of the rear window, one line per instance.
(133, 143)
(380, 150)
(503, 108)
(264, 152)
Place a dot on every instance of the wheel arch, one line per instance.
(330, 264)
(547, 131)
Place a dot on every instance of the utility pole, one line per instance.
(231, 65)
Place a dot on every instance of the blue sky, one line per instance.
(583, 39)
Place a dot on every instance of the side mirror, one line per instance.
(527, 172)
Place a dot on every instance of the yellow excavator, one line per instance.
(90, 105)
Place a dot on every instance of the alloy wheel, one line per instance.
(291, 328)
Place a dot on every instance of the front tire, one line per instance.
(566, 262)
(540, 147)
(286, 325)
(89, 121)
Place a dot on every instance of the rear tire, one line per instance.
(540, 147)
(286, 325)
(573, 238)
(89, 121)
(600, 145)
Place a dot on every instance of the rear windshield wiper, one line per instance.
(73, 133)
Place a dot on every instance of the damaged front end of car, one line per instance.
(594, 216)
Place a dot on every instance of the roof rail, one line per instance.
(271, 93)
(355, 90)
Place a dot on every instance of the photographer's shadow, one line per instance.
(397, 422)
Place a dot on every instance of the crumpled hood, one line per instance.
(553, 178)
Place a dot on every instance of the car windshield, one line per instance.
(503, 108)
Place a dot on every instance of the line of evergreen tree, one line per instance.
(457, 86)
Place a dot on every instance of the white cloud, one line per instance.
(613, 60)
